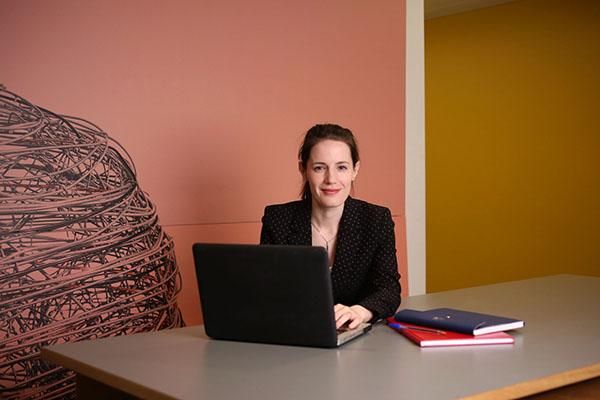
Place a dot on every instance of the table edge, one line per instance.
(540, 385)
(103, 377)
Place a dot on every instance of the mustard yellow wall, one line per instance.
(513, 143)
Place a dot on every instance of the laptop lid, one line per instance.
(266, 293)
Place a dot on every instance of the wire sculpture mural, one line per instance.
(82, 255)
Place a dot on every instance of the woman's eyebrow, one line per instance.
(337, 162)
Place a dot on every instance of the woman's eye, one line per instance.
(343, 167)
(318, 168)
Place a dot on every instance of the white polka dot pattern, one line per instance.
(365, 269)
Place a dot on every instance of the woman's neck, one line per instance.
(327, 219)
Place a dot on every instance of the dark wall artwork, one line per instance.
(82, 255)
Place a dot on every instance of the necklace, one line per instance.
(323, 236)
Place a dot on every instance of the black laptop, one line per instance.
(268, 294)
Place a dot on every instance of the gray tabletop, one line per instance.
(561, 338)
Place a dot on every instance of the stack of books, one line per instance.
(452, 327)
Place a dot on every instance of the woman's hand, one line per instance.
(353, 316)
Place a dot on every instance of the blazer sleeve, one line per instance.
(266, 232)
(382, 296)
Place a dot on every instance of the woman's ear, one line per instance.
(356, 168)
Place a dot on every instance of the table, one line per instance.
(559, 345)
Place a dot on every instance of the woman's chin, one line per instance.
(332, 202)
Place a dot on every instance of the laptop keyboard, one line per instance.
(345, 334)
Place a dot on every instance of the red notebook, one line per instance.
(438, 338)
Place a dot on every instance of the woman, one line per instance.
(358, 236)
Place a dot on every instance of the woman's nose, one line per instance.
(329, 176)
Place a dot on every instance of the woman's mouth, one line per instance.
(330, 192)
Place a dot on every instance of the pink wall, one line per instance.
(211, 98)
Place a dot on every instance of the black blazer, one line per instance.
(365, 269)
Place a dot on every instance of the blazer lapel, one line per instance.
(348, 233)
(300, 227)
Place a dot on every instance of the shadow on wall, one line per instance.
(82, 255)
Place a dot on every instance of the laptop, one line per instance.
(268, 294)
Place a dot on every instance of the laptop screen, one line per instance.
(266, 293)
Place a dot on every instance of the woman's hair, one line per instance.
(317, 134)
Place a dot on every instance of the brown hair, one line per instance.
(317, 134)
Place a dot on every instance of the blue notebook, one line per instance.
(450, 319)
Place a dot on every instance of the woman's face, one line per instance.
(329, 173)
